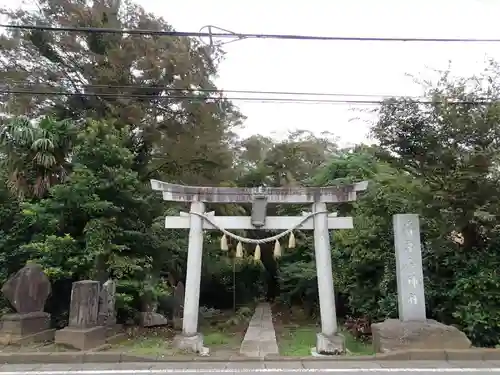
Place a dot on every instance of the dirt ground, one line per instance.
(45, 347)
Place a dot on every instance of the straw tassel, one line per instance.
(256, 255)
(277, 249)
(223, 243)
(239, 250)
(291, 241)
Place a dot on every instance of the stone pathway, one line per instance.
(260, 338)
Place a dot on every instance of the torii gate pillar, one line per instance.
(328, 340)
(193, 279)
(324, 272)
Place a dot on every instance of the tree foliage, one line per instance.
(36, 154)
(149, 83)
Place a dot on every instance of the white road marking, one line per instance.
(270, 370)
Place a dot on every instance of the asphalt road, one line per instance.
(267, 368)
(249, 368)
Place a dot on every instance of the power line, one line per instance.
(230, 35)
(260, 92)
(218, 99)
(222, 91)
(188, 97)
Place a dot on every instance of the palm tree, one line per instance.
(35, 154)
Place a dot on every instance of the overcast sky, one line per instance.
(338, 67)
(334, 67)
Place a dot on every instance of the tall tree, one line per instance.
(291, 161)
(452, 144)
(452, 147)
(150, 83)
(99, 222)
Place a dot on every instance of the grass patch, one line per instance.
(297, 341)
(216, 338)
(148, 341)
(154, 345)
(221, 338)
(296, 334)
(357, 347)
(224, 334)
(149, 346)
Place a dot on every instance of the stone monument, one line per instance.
(149, 317)
(27, 291)
(83, 331)
(412, 330)
(329, 341)
(107, 311)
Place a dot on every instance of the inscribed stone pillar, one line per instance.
(410, 278)
(84, 309)
(83, 331)
(412, 330)
(107, 313)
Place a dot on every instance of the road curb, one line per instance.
(480, 354)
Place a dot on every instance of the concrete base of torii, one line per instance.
(193, 343)
(329, 345)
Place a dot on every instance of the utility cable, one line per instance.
(181, 97)
(248, 99)
(217, 91)
(231, 35)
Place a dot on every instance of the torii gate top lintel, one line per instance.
(329, 194)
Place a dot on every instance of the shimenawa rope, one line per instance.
(257, 254)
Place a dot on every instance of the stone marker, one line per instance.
(409, 273)
(412, 330)
(83, 331)
(149, 317)
(152, 319)
(84, 304)
(107, 299)
(107, 312)
(27, 291)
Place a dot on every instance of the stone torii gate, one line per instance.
(319, 220)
